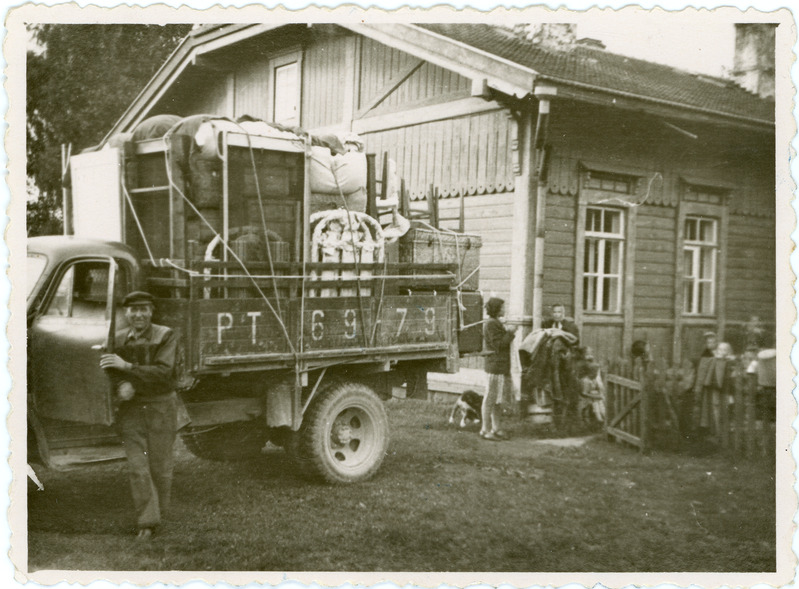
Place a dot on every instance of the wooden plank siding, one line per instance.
(751, 269)
(654, 263)
(212, 98)
(559, 262)
(325, 76)
(379, 63)
(469, 154)
(489, 216)
(252, 89)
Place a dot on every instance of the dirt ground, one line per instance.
(444, 500)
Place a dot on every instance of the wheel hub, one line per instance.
(341, 434)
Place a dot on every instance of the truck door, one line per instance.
(64, 341)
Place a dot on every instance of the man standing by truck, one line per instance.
(143, 374)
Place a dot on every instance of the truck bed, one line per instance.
(238, 323)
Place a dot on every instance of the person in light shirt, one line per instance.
(558, 320)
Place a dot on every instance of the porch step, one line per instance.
(446, 388)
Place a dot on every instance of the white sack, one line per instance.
(355, 201)
(349, 169)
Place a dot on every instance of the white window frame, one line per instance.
(289, 59)
(592, 302)
(694, 280)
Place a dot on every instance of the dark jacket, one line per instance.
(153, 356)
(498, 340)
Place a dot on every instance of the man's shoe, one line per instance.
(144, 534)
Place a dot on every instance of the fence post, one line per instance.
(646, 381)
(750, 419)
(724, 411)
(739, 384)
(610, 402)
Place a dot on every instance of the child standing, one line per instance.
(592, 402)
(497, 367)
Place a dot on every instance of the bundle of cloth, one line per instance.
(548, 368)
(338, 165)
(338, 180)
(337, 171)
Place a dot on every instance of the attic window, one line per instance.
(705, 194)
(609, 182)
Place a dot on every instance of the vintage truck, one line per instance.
(295, 319)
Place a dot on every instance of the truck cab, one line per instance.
(72, 288)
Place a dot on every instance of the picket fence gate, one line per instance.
(649, 406)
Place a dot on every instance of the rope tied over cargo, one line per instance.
(129, 200)
(224, 243)
(458, 287)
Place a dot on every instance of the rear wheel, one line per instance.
(228, 442)
(344, 436)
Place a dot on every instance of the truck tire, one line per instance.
(344, 435)
(228, 442)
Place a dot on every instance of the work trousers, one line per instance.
(148, 429)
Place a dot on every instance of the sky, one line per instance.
(696, 47)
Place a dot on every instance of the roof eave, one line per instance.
(610, 97)
(500, 74)
(184, 55)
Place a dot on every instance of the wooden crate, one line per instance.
(428, 246)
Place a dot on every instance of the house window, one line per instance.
(602, 259)
(286, 95)
(700, 249)
(608, 182)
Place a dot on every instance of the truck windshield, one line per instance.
(36, 264)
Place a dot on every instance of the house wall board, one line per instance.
(469, 154)
(210, 97)
(494, 211)
(381, 64)
(751, 269)
(252, 89)
(324, 79)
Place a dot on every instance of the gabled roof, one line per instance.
(504, 61)
(610, 72)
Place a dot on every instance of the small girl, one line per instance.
(497, 367)
(592, 401)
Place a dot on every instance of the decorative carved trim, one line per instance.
(514, 144)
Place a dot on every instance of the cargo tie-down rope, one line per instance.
(357, 254)
(224, 243)
(458, 292)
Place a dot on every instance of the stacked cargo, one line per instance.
(426, 244)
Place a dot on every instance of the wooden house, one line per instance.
(640, 196)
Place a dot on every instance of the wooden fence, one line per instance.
(660, 406)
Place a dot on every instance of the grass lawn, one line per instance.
(444, 500)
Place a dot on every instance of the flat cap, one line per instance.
(138, 297)
(710, 334)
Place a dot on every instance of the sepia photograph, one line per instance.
(496, 297)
